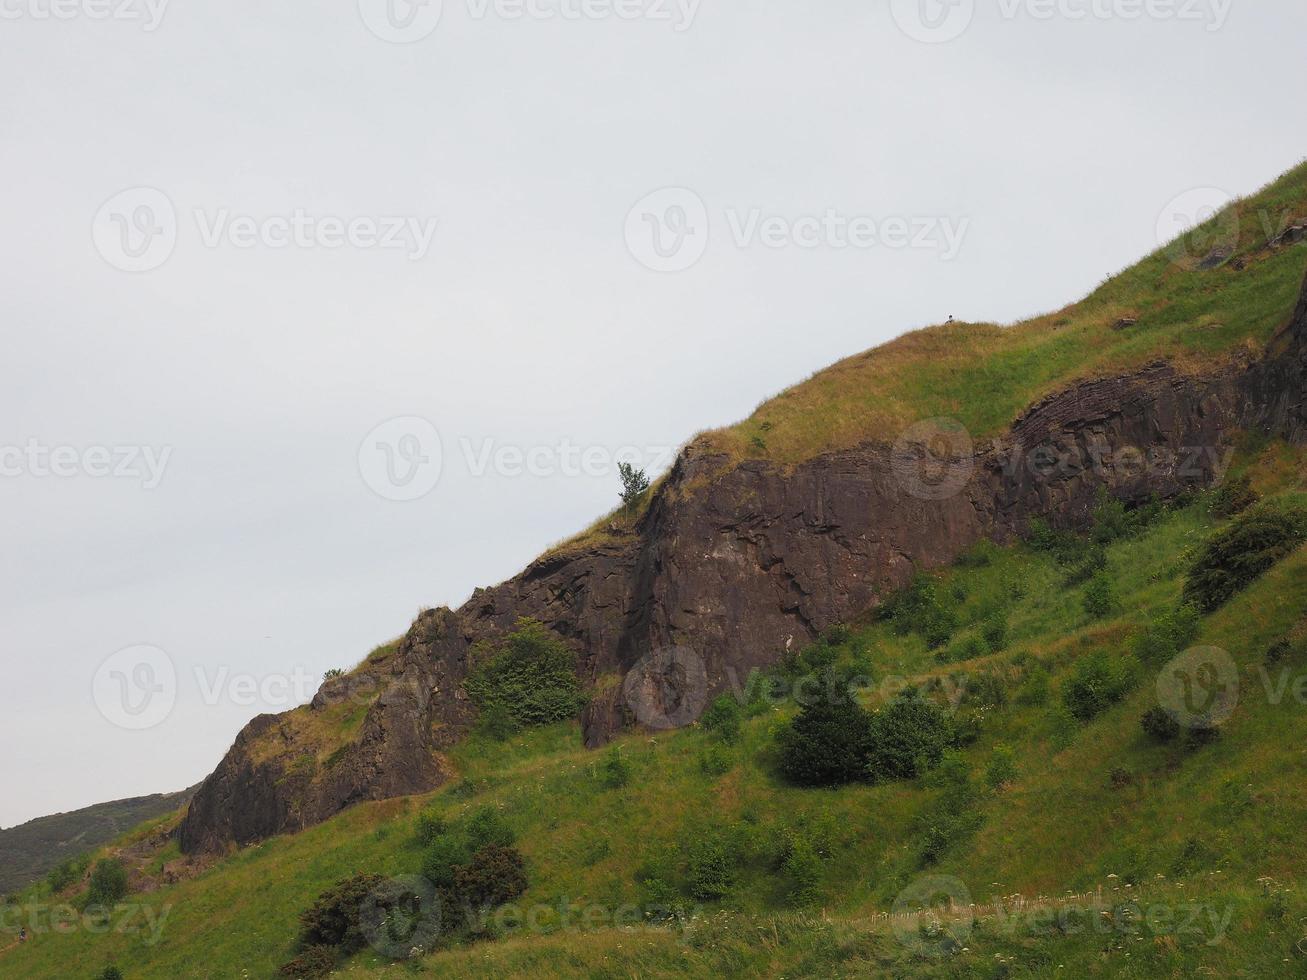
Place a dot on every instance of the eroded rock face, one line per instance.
(734, 564)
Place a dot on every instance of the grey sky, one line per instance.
(1048, 148)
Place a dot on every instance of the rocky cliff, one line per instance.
(735, 561)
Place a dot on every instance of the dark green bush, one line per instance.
(908, 737)
(1091, 562)
(1098, 681)
(986, 691)
(712, 864)
(1240, 554)
(920, 609)
(108, 883)
(497, 722)
(531, 678)
(67, 872)
(313, 963)
(493, 876)
(110, 973)
(1100, 596)
(1233, 497)
(837, 635)
(443, 856)
(1159, 725)
(723, 718)
(827, 743)
(1002, 767)
(334, 919)
(615, 769)
(995, 632)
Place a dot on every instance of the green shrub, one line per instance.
(497, 722)
(1233, 497)
(108, 883)
(1100, 596)
(837, 635)
(995, 632)
(430, 825)
(615, 770)
(443, 856)
(1159, 725)
(1034, 688)
(1168, 635)
(712, 864)
(1002, 767)
(952, 817)
(986, 691)
(67, 872)
(919, 609)
(487, 826)
(1091, 562)
(982, 554)
(715, 760)
(1098, 681)
(802, 867)
(110, 973)
(531, 678)
(313, 963)
(334, 919)
(1240, 554)
(723, 718)
(827, 743)
(908, 737)
(493, 876)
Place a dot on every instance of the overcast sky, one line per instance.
(239, 239)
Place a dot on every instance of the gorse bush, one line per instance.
(1098, 681)
(713, 859)
(907, 737)
(335, 919)
(1158, 725)
(530, 678)
(493, 876)
(311, 964)
(1243, 552)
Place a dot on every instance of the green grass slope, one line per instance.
(1184, 858)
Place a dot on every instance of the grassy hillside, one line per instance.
(984, 374)
(29, 850)
(1185, 855)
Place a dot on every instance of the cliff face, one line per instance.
(733, 563)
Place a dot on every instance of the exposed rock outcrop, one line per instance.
(734, 562)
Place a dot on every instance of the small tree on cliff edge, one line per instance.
(634, 484)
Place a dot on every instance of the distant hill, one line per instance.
(30, 850)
